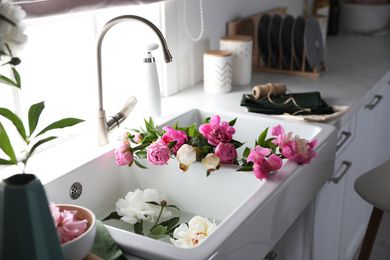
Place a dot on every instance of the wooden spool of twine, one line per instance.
(269, 90)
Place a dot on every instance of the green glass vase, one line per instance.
(27, 229)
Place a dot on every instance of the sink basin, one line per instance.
(251, 214)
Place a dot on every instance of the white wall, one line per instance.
(187, 66)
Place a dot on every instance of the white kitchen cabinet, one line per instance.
(341, 216)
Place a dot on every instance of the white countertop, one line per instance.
(355, 64)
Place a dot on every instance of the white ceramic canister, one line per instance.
(217, 71)
(241, 47)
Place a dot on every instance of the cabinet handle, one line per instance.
(271, 255)
(377, 99)
(346, 136)
(347, 165)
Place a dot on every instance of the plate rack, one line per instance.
(248, 26)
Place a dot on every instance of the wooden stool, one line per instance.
(374, 187)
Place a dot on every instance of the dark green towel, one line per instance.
(311, 100)
(104, 246)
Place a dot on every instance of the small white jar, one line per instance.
(217, 71)
(241, 47)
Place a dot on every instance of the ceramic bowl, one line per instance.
(364, 18)
(78, 248)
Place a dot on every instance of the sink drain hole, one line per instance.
(75, 190)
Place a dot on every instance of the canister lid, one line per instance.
(218, 53)
(236, 38)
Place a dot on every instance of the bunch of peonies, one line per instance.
(135, 207)
(194, 233)
(68, 227)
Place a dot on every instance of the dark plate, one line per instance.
(273, 39)
(313, 43)
(298, 40)
(262, 36)
(285, 43)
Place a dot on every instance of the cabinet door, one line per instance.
(379, 111)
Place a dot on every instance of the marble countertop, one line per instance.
(355, 64)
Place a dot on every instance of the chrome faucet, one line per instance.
(104, 126)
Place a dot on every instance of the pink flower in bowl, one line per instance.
(227, 152)
(174, 135)
(158, 152)
(216, 131)
(262, 166)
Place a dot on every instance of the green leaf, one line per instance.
(207, 120)
(236, 144)
(6, 146)
(233, 122)
(35, 146)
(191, 130)
(4, 161)
(113, 215)
(138, 228)
(245, 169)
(172, 206)
(15, 121)
(246, 152)
(3, 17)
(17, 78)
(66, 122)
(158, 231)
(208, 173)
(9, 81)
(172, 144)
(142, 154)
(139, 164)
(153, 203)
(262, 137)
(33, 115)
(176, 126)
(170, 223)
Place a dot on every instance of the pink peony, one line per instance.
(158, 152)
(217, 132)
(262, 166)
(138, 137)
(226, 152)
(174, 135)
(68, 227)
(123, 154)
(294, 148)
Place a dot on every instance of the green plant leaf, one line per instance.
(191, 130)
(15, 121)
(66, 122)
(246, 152)
(153, 203)
(262, 137)
(158, 231)
(170, 223)
(172, 206)
(233, 122)
(35, 146)
(9, 81)
(245, 169)
(142, 154)
(18, 81)
(6, 146)
(207, 120)
(113, 215)
(172, 144)
(139, 164)
(33, 115)
(236, 143)
(138, 228)
(4, 161)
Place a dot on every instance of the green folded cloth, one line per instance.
(308, 100)
(104, 246)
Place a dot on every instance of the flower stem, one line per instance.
(158, 218)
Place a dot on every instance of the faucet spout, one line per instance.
(104, 126)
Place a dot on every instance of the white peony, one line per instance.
(134, 207)
(195, 233)
(12, 34)
(211, 162)
(186, 155)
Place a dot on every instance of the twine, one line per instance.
(275, 90)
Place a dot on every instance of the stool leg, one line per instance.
(372, 230)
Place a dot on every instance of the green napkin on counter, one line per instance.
(104, 246)
(308, 100)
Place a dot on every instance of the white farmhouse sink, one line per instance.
(252, 214)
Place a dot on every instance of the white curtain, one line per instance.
(40, 8)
